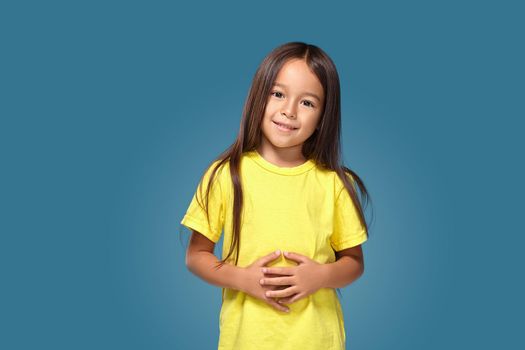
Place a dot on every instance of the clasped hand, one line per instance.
(289, 284)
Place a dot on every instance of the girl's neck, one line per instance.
(283, 157)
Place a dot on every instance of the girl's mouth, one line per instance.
(282, 127)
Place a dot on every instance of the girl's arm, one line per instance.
(201, 261)
(348, 267)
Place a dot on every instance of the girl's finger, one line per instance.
(266, 259)
(288, 271)
(281, 293)
(276, 305)
(276, 281)
(284, 301)
(290, 299)
(296, 257)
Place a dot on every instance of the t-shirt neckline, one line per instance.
(299, 169)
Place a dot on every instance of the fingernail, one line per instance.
(261, 281)
(277, 252)
(285, 253)
(267, 294)
(264, 269)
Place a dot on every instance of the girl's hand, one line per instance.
(250, 277)
(303, 279)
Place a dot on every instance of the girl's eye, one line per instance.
(310, 104)
(279, 95)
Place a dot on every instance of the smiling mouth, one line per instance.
(282, 126)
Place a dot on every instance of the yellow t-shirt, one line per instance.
(300, 209)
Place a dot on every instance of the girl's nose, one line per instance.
(288, 112)
(289, 108)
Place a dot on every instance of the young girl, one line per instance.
(293, 224)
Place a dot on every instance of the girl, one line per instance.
(280, 187)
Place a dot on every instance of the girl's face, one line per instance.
(296, 101)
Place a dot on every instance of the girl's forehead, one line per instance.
(297, 76)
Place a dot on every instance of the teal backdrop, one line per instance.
(110, 111)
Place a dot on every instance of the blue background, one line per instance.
(110, 112)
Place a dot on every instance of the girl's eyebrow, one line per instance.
(306, 93)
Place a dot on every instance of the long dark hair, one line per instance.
(323, 146)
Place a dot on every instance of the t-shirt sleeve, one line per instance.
(347, 229)
(195, 217)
